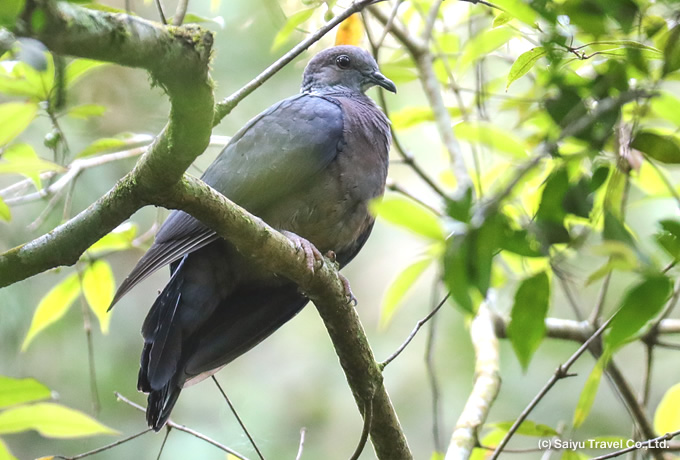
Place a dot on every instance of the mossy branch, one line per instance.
(178, 60)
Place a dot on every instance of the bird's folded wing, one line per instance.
(179, 235)
(272, 156)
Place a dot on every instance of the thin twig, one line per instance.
(561, 372)
(238, 419)
(432, 377)
(159, 7)
(185, 429)
(388, 25)
(368, 418)
(301, 445)
(413, 333)
(395, 187)
(224, 107)
(87, 326)
(104, 448)
(165, 439)
(180, 12)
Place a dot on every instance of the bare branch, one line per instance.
(485, 389)
(413, 333)
(649, 444)
(183, 428)
(561, 372)
(104, 448)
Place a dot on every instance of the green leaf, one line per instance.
(399, 73)
(86, 111)
(410, 215)
(399, 287)
(671, 52)
(587, 398)
(98, 288)
(524, 63)
(119, 239)
(615, 230)
(51, 420)
(9, 11)
(518, 9)
(665, 105)
(14, 119)
(5, 213)
(437, 456)
(665, 149)
(5, 454)
(527, 428)
(53, 306)
(621, 257)
(105, 144)
(191, 18)
(667, 414)
(22, 159)
(18, 391)
(527, 319)
(501, 19)
(492, 136)
(456, 272)
(289, 27)
(483, 44)
(78, 68)
(411, 116)
(641, 304)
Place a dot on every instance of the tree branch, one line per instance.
(485, 389)
(158, 178)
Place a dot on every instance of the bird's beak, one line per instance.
(381, 80)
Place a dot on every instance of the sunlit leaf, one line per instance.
(5, 454)
(587, 397)
(105, 144)
(667, 414)
(527, 319)
(399, 287)
(665, 105)
(18, 391)
(289, 27)
(492, 136)
(53, 306)
(78, 68)
(51, 420)
(501, 19)
(412, 116)
(14, 119)
(410, 215)
(98, 287)
(350, 31)
(524, 63)
(527, 428)
(86, 111)
(5, 213)
(483, 44)
(665, 149)
(518, 9)
(119, 239)
(399, 73)
(641, 303)
(622, 257)
(192, 18)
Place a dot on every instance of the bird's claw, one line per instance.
(349, 295)
(313, 256)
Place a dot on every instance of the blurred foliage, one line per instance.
(567, 114)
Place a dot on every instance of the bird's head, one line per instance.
(345, 66)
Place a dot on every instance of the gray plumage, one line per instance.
(307, 165)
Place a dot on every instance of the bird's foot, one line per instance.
(349, 295)
(313, 256)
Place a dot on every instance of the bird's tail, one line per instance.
(160, 404)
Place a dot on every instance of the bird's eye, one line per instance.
(343, 61)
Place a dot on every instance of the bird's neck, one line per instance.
(335, 90)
